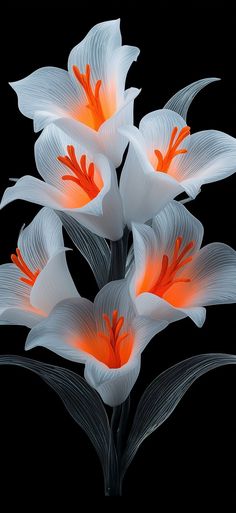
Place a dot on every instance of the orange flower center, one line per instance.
(30, 277)
(93, 96)
(83, 174)
(169, 268)
(112, 346)
(164, 161)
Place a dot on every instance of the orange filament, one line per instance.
(93, 97)
(114, 338)
(20, 263)
(83, 177)
(169, 269)
(164, 162)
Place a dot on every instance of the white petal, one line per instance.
(81, 134)
(155, 307)
(182, 100)
(121, 62)
(34, 190)
(70, 320)
(214, 275)
(114, 296)
(13, 292)
(145, 329)
(45, 95)
(113, 385)
(15, 305)
(53, 284)
(211, 156)
(156, 128)
(175, 221)
(41, 239)
(20, 317)
(112, 142)
(97, 50)
(146, 257)
(144, 191)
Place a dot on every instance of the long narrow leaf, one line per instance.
(163, 395)
(93, 248)
(182, 100)
(80, 400)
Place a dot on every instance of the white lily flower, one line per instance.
(164, 160)
(38, 277)
(174, 278)
(76, 182)
(89, 101)
(107, 336)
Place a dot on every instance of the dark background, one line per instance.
(189, 461)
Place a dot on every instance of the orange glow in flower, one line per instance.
(97, 109)
(85, 176)
(172, 285)
(111, 346)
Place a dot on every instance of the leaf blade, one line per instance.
(163, 395)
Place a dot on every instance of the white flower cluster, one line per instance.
(87, 120)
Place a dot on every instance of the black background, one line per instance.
(189, 461)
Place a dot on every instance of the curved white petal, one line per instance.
(70, 320)
(156, 128)
(112, 141)
(96, 49)
(15, 307)
(13, 292)
(211, 156)
(144, 191)
(158, 309)
(114, 296)
(41, 239)
(146, 251)
(45, 95)
(20, 317)
(175, 221)
(113, 385)
(122, 59)
(34, 190)
(182, 100)
(53, 284)
(145, 328)
(214, 275)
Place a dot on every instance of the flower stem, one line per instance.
(118, 257)
(113, 478)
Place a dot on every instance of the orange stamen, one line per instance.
(164, 162)
(83, 177)
(167, 276)
(113, 337)
(93, 97)
(20, 263)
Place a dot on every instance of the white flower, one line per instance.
(107, 336)
(174, 278)
(89, 101)
(38, 277)
(77, 182)
(164, 160)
